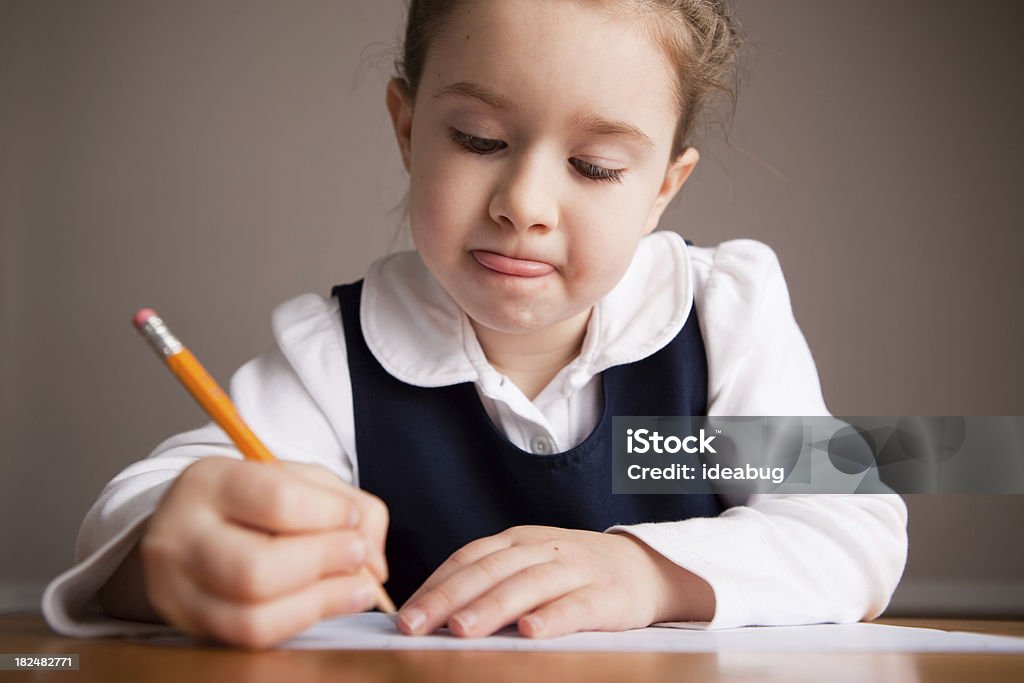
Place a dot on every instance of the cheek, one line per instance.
(429, 213)
(616, 212)
(608, 224)
(443, 188)
(603, 243)
(598, 264)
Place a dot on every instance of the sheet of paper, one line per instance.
(374, 631)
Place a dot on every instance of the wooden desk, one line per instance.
(116, 660)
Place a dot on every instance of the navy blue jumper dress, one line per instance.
(449, 476)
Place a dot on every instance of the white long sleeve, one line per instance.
(776, 560)
(792, 559)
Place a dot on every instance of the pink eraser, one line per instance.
(142, 316)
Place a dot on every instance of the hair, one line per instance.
(701, 38)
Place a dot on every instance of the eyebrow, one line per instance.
(597, 125)
(478, 92)
(589, 123)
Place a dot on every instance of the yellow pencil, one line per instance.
(205, 390)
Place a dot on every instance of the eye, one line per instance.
(595, 172)
(472, 143)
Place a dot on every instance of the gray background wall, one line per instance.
(211, 159)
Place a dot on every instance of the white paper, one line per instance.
(374, 631)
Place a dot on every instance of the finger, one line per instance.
(434, 606)
(462, 558)
(373, 526)
(273, 499)
(265, 624)
(519, 594)
(371, 512)
(317, 475)
(270, 623)
(589, 608)
(242, 565)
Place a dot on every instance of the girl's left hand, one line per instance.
(553, 581)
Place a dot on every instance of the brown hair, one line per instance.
(700, 36)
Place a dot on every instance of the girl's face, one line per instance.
(538, 151)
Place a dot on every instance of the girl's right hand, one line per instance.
(250, 554)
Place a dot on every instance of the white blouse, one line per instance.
(775, 560)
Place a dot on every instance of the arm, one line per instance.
(791, 559)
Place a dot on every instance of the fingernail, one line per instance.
(465, 620)
(413, 618)
(535, 624)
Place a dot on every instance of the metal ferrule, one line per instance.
(159, 337)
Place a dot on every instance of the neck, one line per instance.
(532, 359)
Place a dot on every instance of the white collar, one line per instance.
(420, 336)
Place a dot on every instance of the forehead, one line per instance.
(556, 56)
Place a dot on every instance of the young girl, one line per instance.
(451, 412)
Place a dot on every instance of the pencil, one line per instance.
(205, 390)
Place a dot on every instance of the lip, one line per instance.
(509, 265)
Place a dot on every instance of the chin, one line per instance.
(521, 321)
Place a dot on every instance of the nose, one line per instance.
(525, 197)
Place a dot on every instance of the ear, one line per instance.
(400, 108)
(675, 175)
